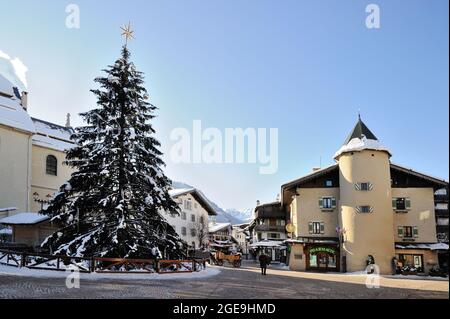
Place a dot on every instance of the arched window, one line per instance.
(51, 165)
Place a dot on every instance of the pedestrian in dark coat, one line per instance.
(263, 262)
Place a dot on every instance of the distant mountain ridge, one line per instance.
(244, 215)
(231, 215)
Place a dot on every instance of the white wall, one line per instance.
(178, 222)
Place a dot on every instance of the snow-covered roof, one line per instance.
(360, 144)
(52, 136)
(180, 191)
(6, 87)
(434, 246)
(202, 200)
(215, 227)
(52, 143)
(361, 138)
(12, 113)
(24, 219)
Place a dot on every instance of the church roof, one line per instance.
(12, 113)
(6, 87)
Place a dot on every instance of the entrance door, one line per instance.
(322, 259)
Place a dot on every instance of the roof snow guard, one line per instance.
(361, 138)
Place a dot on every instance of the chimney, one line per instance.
(258, 203)
(315, 169)
(68, 120)
(24, 100)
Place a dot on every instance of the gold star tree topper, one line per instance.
(127, 32)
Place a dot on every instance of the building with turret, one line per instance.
(363, 209)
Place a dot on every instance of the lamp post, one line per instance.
(41, 201)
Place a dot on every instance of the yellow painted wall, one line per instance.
(298, 264)
(421, 214)
(15, 171)
(41, 182)
(306, 205)
(367, 233)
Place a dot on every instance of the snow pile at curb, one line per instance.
(26, 272)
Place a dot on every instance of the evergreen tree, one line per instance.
(112, 204)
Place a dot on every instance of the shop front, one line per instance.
(320, 257)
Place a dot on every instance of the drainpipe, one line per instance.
(28, 208)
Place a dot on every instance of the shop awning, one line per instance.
(310, 240)
(435, 246)
(268, 243)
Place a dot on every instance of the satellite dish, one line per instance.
(290, 228)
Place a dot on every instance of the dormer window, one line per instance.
(329, 183)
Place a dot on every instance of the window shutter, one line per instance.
(357, 186)
(400, 231)
(407, 203)
(321, 202)
(358, 210)
(310, 226)
(415, 232)
(371, 209)
(333, 202)
(370, 186)
(394, 203)
(322, 228)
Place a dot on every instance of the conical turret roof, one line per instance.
(359, 131)
(361, 138)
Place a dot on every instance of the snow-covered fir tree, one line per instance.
(111, 206)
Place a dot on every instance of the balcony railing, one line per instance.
(441, 198)
(441, 212)
(269, 228)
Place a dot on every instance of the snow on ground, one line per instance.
(26, 272)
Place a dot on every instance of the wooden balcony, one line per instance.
(276, 228)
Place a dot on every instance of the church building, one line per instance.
(31, 155)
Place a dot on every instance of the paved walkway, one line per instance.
(245, 282)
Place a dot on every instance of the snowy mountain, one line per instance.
(243, 215)
(232, 216)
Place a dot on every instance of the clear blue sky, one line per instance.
(305, 67)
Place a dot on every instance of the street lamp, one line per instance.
(41, 201)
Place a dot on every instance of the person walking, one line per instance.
(263, 262)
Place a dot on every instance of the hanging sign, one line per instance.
(290, 228)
